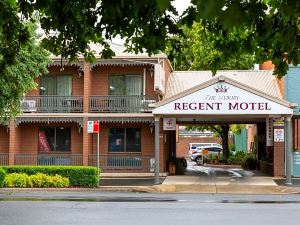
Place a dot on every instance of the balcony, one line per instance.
(52, 104)
(122, 104)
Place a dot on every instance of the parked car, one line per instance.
(196, 154)
(193, 146)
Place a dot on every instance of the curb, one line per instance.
(169, 188)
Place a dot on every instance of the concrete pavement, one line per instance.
(197, 179)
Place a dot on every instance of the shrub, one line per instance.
(41, 180)
(249, 161)
(2, 176)
(237, 158)
(17, 180)
(82, 176)
(180, 166)
(38, 180)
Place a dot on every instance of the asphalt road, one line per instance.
(144, 208)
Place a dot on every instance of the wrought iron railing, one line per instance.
(122, 104)
(52, 104)
(3, 159)
(123, 163)
(48, 159)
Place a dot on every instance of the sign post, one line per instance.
(93, 127)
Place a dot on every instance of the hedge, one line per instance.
(2, 176)
(81, 176)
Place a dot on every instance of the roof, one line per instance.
(121, 58)
(261, 80)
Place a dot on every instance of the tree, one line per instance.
(18, 78)
(221, 131)
(195, 50)
(70, 26)
(267, 29)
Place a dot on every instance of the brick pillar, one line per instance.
(85, 143)
(278, 166)
(12, 143)
(86, 86)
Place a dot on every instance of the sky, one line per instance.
(181, 5)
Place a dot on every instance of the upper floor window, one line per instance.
(60, 85)
(125, 85)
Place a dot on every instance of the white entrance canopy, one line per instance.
(222, 96)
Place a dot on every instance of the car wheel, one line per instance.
(198, 160)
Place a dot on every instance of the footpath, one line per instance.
(205, 179)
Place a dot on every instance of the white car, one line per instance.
(196, 154)
(193, 146)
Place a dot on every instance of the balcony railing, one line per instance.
(123, 163)
(48, 159)
(3, 159)
(52, 104)
(122, 104)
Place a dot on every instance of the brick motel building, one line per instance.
(134, 97)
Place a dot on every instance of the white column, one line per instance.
(288, 149)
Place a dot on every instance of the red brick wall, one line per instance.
(4, 135)
(182, 146)
(27, 139)
(278, 157)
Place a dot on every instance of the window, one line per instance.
(55, 139)
(124, 140)
(60, 85)
(125, 85)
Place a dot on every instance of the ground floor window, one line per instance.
(55, 139)
(124, 140)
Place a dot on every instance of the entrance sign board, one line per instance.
(169, 123)
(279, 135)
(222, 99)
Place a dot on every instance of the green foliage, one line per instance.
(82, 176)
(38, 180)
(196, 50)
(267, 29)
(181, 165)
(2, 176)
(249, 161)
(20, 180)
(237, 158)
(41, 180)
(17, 77)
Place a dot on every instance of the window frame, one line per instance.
(125, 150)
(54, 150)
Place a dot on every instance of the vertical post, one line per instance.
(156, 155)
(288, 150)
(98, 150)
(12, 143)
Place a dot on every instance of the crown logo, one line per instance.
(221, 88)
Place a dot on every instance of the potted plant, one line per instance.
(172, 166)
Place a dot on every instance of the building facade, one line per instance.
(118, 92)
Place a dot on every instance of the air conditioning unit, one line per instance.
(28, 106)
